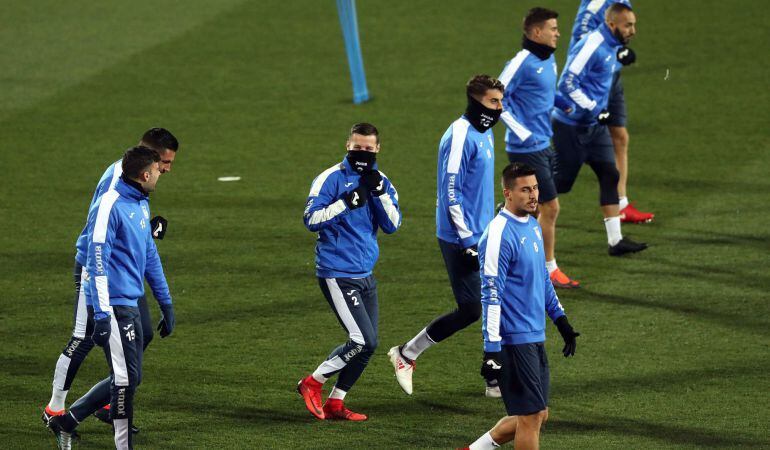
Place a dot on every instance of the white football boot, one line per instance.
(493, 391)
(404, 369)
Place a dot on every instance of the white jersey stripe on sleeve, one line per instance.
(510, 70)
(581, 59)
(117, 171)
(318, 183)
(103, 216)
(493, 323)
(459, 221)
(595, 6)
(494, 240)
(328, 213)
(390, 208)
(521, 131)
(459, 133)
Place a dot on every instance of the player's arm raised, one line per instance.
(385, 201)
(325, 207)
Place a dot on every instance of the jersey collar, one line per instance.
(512, 216)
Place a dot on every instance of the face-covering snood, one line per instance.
(481, 117)
(361, 160)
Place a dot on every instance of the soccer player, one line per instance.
(517, 294)
(80, 344)
(590, 16)
(581, 136)
(121, 255)
(530, 95)
(347, 204)
(464, 207)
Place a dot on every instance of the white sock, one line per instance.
(551, 265)
(337, 393)
(623, 202)
(612, 225)
(484, 443)
(319, 376)
(417, 345)
(58, 398)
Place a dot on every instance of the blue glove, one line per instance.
(102, 329)
(166, 324)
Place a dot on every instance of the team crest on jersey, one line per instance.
(537, 232)
(491, 142)
(146, 213)
(489, 154)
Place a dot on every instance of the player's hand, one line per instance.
(604, 117)
(568, 334)
(158, 225)
(102, 330)
(471, 256)
(357, 197)
(491, 366)
(626, 56)
(373, 182)
(167, 321)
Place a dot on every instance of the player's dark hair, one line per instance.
(478, 86)
(536, 17)
(516, 170)
(615, 9)
(137, 159)
(364, 129)
(160, 139)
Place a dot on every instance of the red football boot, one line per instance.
(334, 409)
(629, 214)
(310, 390)
(560, 280)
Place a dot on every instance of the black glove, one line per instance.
(158, 225)
(603, 117)
(626, 56)
(167, 321)
(568, 334)
(471, 256)
(102, 329)
(373, 182)
(357, 197)
(491, 367)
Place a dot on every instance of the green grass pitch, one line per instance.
(674, 351)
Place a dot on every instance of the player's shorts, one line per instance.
(542, 161)
(525, 378)
(576, 145)
(465, 281)
(617, 102)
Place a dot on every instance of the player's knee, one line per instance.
(470, 312)
(550, 209)
(532, 420)
(371, 344)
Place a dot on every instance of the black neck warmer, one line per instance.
(133, 184)
(542, 51)
(481, 117)
(361, 160)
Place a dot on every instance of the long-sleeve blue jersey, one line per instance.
(587, 77)
(347, 239)
(530, 88)
(466, 186)
(106, 182)
(589, 16)
(516, 291)
(121, 251)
